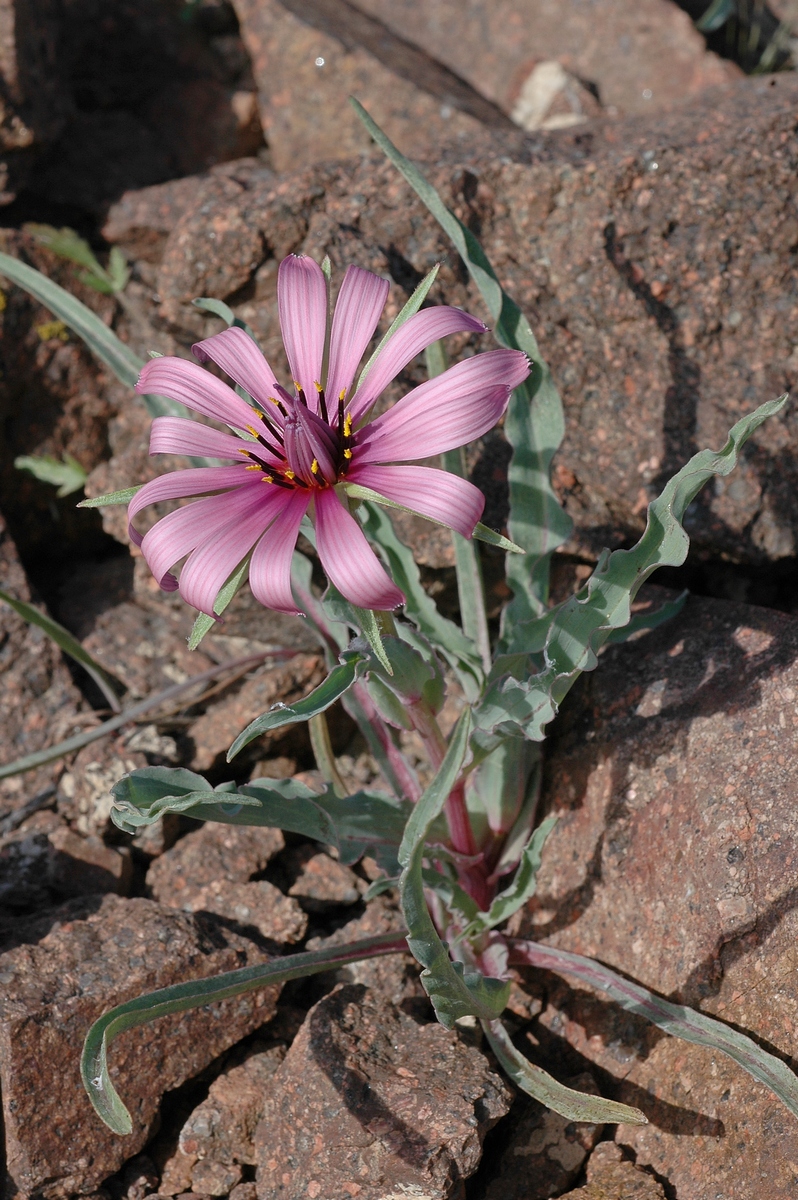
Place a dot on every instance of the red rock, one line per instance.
(541, 1152)
(367, 1099)
(81, 866)
(393, 976)
(231, 852)
(52, 991)
(258, 905)
(611, 1177)
(672, 862)
(321, 882)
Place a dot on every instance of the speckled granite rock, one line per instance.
(674, 861)
(369, 1104)
(51, 992)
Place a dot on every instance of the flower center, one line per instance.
(304, 448)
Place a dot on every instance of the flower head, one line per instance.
(294, 448)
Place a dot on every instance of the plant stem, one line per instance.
(323, 751)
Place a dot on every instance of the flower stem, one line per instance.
(323, 751)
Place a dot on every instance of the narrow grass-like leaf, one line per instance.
(534, 424)
(203, 623)
(454, 990)
(124, 496)
(583, 623)
(196, 993)
(458, 650)
(67, 475)
(408, 310)
(69, 644)
(483, 534)
(676, 1019)
(574, 1106)
(521, 889)
(321, 698)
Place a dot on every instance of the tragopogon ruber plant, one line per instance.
(464, 851)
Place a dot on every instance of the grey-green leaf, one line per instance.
(68, 475)
(676, 1019)
(124, 496)
(573, 1105)
(321, 698)
(522, 887)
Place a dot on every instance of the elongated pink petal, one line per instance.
(235, 352)
(456, 407)
(435, 494)
(302, 307)
(177, 435)
(179, 484)
(218, 555)
(270, 567)
(409, 340)
(348, 560)
(357, 310)
(181, 531)
(197, 389)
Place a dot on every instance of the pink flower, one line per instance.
(312, 439)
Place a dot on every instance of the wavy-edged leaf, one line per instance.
(67, 474)
(196, 993)
(521, 889)
(534, 424)
(573, 1105)
(450, 641)
(66, 642)
(676, 1019)
(455, 990)
(321, 698)
(644, 622)
(584, 622)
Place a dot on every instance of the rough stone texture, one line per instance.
(215, 852)
(674, 862)
(611, 1177)
(369, 1104)
(52, 992)
(257, 905)
(215, 731)
(321, 882)
(624, 48)
(393, 976)
(664, 299)
(39, 704)
(218, 1136)
(543, 1152)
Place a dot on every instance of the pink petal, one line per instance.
(435, 494)
(357, 310)
(176, 435)
(181, 531)
(235, 352)
(187, 382)
(414, 336)
(218, 555)
(302, 307)
(178, 484)
(270, 567)
(451, 410)
(348, 560)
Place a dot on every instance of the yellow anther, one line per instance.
(317, 386)
(289, 474)
(245, 452)
(347, 426)
(342, 395)
(251, 429)
(253, 467)
(314, 466)
(347, 453)
(274, 401)
(297, 385)
(268, 479)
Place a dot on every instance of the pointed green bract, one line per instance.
(124, 496)
(203, 623)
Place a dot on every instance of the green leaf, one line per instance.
(644, 622)
(584, 622)
(66, 642)
(203, 623)
(68, 476)
(66, 243)
(220, 309)
(716, 16)
(408, 310)
(483, 534)
(676, 1019)
(522, 887)
(196, 993)
(573, 1105)
(122, 497)
(455, 991)
(458, 650)
(321, 698)
(118, 270)
(534, 424)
